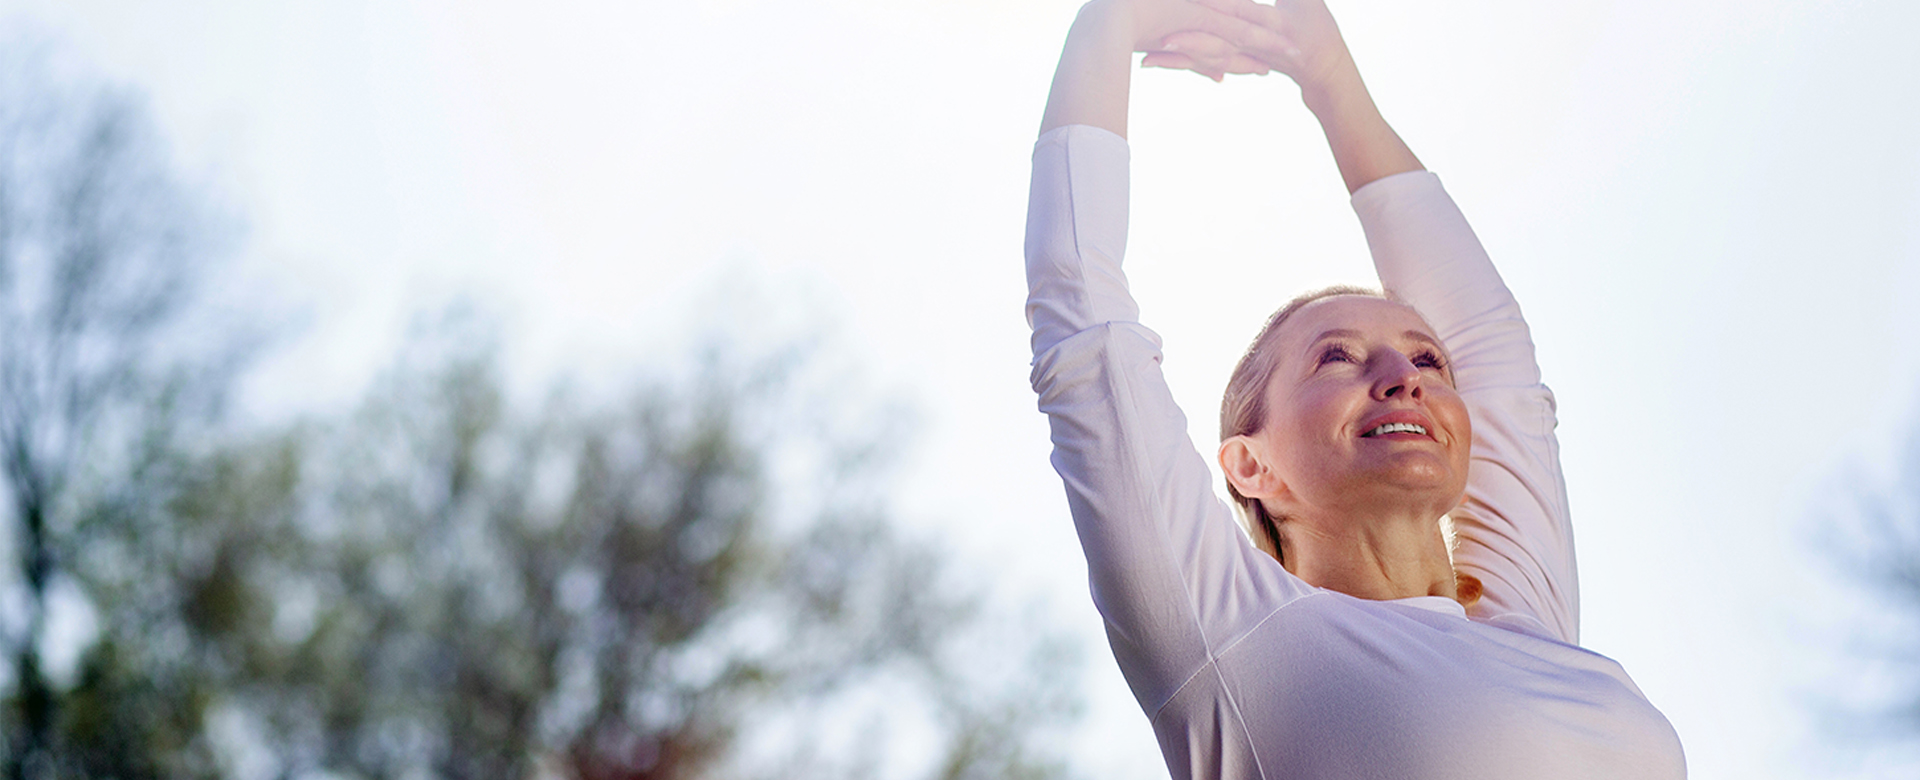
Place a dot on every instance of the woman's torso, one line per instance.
(1334, 688)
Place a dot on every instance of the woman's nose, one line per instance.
(1394, 376)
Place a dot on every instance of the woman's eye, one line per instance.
(1336, 355)
(1429, 360)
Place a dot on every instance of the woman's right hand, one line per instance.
(1090, 86)
(1206, 38)
(1296, 37)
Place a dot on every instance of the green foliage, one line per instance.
(438, 585)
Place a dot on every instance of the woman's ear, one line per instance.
(1247, 470)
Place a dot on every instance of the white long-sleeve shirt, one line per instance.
(1245, 670)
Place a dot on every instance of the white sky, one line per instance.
(1709, 209)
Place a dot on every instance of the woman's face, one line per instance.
(1362, 416)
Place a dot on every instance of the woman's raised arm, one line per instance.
(1171, 572)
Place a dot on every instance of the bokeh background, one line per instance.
(1710, 211)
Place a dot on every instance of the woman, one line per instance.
(1345, 649)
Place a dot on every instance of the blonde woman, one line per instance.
(1337, 637)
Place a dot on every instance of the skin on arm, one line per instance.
(1095, 72)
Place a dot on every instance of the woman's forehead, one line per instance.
(1353, 316)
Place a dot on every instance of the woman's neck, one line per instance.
(1379, 561)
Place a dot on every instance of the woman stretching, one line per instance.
(1339, 637)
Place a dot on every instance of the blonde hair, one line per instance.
(1243, 408)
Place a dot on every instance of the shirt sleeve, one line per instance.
(1514, 531)
(1172, 574)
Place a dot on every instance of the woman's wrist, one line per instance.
(1106, 26)
(1095, 72)
(1337, 95)
(1109, 20)
(1365, 148)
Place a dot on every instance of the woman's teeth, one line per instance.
(1397, 428)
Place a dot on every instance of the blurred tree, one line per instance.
(441, 587)
(102, 250)
(1876, 544)
(693, 583)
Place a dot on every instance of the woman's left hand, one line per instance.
(1203, 53)
(1296, 37)
(1208, 54)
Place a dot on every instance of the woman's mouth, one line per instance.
(1396, 427)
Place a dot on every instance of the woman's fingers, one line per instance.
(1258, 18)
(1296, 37)
(1201, 46)
(1203, 53)
(1155, 19)
(1259, 13)
(1215, 37)
(1242, 63)
(1169, 60)
(1178, 61)
(1264, 32)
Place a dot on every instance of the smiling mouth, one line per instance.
(1395, 428)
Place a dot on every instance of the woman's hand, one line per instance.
(1296, 37)
(1190, 35)
(1090, 86)
(1300, 39)
(1202, 53)
(1151, 21)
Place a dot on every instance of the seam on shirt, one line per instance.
(1213, 658)
(1238, 716)
(1082, 291)
(1570, 591)
(1537, 424)
(1194, 675)
(1233, 702)
(1252, 629)
(1122, 384)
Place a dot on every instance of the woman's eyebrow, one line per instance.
(1349, 333)
(1336, 333)
(1422, 337)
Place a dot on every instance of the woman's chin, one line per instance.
(1418, 471)
(1428, 491)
